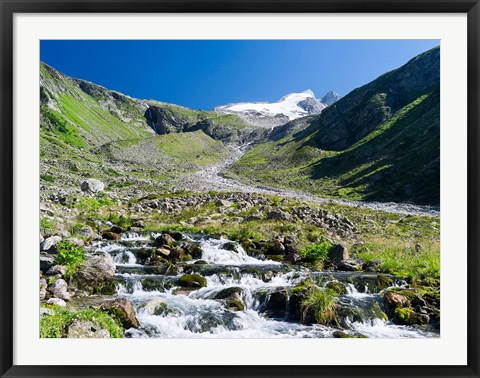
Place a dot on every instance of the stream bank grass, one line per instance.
(319, 304)
(407, 259)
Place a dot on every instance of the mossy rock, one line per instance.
(201, 262)
(193, 249)
(344, 335)
(248, 245)
(337, 287)
(384, 281)
(106, 288)
(235, 305)
(407, 316)
(229, 293)
(192, 280)
(302, 287)
(410, 294)
(377, 311)
(277, 258)
(177, 235)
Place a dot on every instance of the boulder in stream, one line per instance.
(96, 274)
(192, 280)
(123, 310)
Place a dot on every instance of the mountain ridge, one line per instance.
(378, 143)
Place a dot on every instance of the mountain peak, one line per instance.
(330, 97)
(268, 114)
(308, 93)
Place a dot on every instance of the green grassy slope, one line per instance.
(84, 114)
(89, 131)
(374, 144)
(194, 149)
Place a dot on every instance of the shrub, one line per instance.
(70, 255)
(316, 252)
(319, 304)
(93, 204)
(120, 220)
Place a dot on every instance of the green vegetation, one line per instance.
(407, 260)
(70, 255)
(46, 224)
(47, 178)
(56, 325)
(88, 204)
(60, 127)
(320, 304)
(315, 253)
(120, 220)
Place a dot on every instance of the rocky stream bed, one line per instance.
(220, 291)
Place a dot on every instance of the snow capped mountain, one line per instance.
(289, 107)
(330, 98)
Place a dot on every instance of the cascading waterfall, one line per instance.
(150, 117)
(165, 310)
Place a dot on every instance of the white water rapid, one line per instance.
(166, 310)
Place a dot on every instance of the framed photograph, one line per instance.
(240, 188)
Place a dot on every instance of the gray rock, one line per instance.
(42, 239)
(46, 311)
(349, 265)
(59, 289)
(43, 288)
(92, 185)
(46, 262)
(278, 215)
(50, 242)
(275, 247)
(164, 239)
(231, 246)
(223, 203)
(292, 258)
(88, 233)
(86, 330)
(338, 252)
(77, 242)
(57, 301)
(98, 269)
(57, 269)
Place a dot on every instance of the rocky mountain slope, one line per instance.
(380, 142)
(289, 107)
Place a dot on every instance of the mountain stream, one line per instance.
(166, 310)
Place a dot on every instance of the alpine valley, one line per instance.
(299, 218)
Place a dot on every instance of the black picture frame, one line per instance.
(9, 8)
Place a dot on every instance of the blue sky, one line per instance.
(203, 74)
